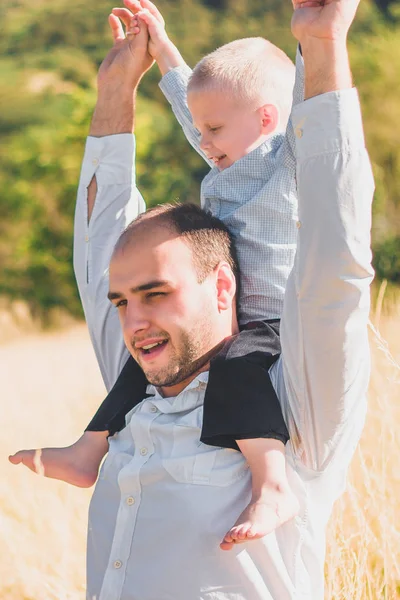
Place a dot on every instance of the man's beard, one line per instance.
(194, 352)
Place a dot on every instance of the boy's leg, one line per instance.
(79, 464)
(242, 411)
(240, 400)
(272, 501)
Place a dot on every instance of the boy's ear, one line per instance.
(269, 117)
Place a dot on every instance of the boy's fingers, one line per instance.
(16, 458)
(125, 15)
(116, 28)
(153, 10)
(152, 23)
(133, 5)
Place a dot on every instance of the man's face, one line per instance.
(229, 130)
(168, 319)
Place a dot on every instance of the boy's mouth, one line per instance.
(218, 159)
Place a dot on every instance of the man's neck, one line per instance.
(201, 365)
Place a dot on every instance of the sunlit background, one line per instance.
(49, 381)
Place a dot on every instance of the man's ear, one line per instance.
(269, 118)
(226, 286)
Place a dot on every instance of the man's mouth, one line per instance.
(149, 347)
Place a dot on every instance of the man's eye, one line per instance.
(154, 294)
(120, 303)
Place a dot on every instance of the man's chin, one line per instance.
(178, 376)
(164, 380)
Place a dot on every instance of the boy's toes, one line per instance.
(241, 533)
(226, 545)
(19, 456)
(228, 542)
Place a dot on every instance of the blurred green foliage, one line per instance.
(49, 54)
(387, 259)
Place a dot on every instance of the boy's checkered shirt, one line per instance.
(256, 199)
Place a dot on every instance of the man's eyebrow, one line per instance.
(140, 288)
(149, 286)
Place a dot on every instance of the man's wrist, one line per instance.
(114, 112)
(168, 57)
(326, 66)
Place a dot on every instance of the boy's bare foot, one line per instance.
(77, 464)
(262, 516)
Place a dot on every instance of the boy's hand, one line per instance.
(323, 20)
(160, 46)
(149, 13)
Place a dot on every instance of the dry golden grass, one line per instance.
(50, 386)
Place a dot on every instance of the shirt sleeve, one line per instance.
(325, 352)
(111, 160)
(174, 87)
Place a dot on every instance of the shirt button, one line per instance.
(130, 501)
(117, 564)
(153, 409)
(95, 161)
(298, 224)
(86, 238)
(143, 451)
(299, 132)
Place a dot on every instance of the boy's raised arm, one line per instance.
(173, 68)
(324, 324)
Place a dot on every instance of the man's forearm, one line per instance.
(114, 112)
(326, 67)
(321, 27)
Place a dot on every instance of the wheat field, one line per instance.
(50, 385)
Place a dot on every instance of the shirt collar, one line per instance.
(199, 382)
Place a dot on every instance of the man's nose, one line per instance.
(136, 320)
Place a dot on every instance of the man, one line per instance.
(163, 500)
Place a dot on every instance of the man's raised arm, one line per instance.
(324, 325)
(108, 199)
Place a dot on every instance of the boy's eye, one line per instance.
(215, 128)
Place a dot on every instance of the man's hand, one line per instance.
(118, 77)
(324, 20)
(321, 27)
(160, 47)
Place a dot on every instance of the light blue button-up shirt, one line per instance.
(256, 198)
(163, 499)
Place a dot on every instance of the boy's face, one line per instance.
(229, 130)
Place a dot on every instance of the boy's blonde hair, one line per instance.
(253, 70)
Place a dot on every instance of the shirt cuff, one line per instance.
(174, 80)
(328, 123)
(110, 158)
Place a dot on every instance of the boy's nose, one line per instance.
(204, 143)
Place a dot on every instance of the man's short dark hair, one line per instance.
(208, 238)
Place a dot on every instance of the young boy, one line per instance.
(239, 99)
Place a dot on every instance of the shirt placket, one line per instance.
(131, 492)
